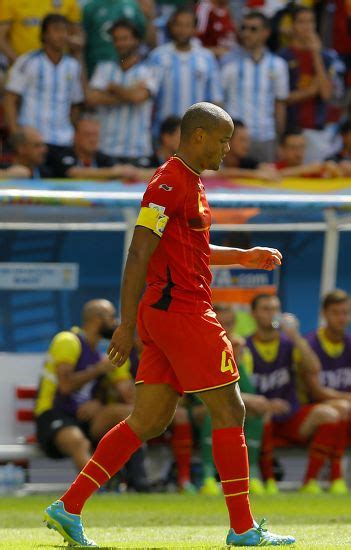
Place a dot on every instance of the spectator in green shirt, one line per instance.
(98, 16)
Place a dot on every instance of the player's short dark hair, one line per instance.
(259, 15)
(125, 24)
(290, 132)
(257, 299)
(345, 127)
(170, 125)
(336, 296)
(298, 10)
(202, 115)
(52, 19)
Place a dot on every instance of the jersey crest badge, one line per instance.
(165, 187)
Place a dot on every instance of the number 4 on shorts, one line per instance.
(226, 364)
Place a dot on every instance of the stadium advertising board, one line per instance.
(38, 276)
(239, 285)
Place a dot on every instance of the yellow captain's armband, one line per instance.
(154, 218)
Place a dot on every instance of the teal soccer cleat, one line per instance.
(68, 525)
(258, 536)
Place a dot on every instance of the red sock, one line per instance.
(181, 446)
(320, 450)
(266, 460)
(112, 452)
(339, 449)
(230, 456)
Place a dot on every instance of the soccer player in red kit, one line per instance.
(185, 347)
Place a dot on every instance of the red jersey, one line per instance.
(179, 276)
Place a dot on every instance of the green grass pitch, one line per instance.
(178, 521)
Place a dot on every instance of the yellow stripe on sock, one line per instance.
(91, 479)
(238, 479)
(237, 494)
(101, 468)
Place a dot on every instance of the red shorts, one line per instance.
(188, 351)
(290, 429)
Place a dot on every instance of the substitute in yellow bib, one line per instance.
(69, 414)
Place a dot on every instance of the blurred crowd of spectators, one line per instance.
(96, 88)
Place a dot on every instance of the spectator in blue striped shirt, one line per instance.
(256, 85)
(44, 87)
(123, 91)
(187, 72)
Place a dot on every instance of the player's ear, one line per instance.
(199, 135)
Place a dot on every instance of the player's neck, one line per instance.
(334, 336)
(189, 160)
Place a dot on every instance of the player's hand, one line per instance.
(279, 406)
(88, 410)
(121, 345)
(261, 257)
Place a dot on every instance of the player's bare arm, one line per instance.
(70, 380)
(321, 393)
(259, 257)
(143, 245)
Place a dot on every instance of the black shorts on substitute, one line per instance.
(49, 423)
